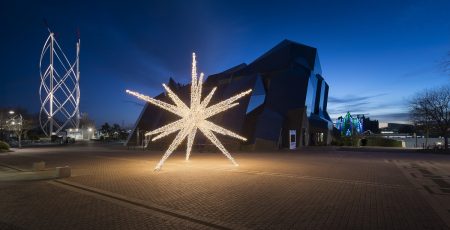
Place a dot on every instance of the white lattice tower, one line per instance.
(59, 90)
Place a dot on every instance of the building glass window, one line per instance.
(311, 94)
(258, 96)
(322, 97)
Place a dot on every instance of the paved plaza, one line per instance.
(315, 188)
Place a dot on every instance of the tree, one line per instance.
(105, 129)
(14, 125)
(114, 132)
(116, 128)
(430, 111)
(86, 122)
(19, 122)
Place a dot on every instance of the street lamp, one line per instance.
(90, 134)
(16, 120)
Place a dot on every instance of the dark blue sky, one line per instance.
(374, 54)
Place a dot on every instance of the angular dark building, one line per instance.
(287, 107)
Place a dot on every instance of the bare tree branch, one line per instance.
(430, 110)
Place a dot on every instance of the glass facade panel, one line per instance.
(311, 94)
(258, 96)
(325, 100)
(322, 97)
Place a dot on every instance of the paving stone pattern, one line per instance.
(284, 190)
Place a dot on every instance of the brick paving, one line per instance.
(43, 206)
(114, 188)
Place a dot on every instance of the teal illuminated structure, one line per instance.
(349, 125)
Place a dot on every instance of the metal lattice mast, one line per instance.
(59, 90)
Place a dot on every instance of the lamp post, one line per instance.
(90, 133)
(15, 124)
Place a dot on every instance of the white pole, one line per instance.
(20, 130)
(78, 86)
(51, 84)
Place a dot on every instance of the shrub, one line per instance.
(4, 146)
(384, 142)
(364, 142)
(336, 142)
(346, 141)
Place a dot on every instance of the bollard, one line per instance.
(63, 172)
(38, 166)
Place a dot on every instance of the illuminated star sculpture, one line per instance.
(193, 118)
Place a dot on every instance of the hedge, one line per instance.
(368, 141)
(379, 141)
(345, 141)
(4, 146)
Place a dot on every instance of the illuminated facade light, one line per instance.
(59, 90)
(349, 125)
(193, 118)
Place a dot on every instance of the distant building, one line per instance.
(81, 133)
(288, 104)
(371, 125)
(86, 130)
(398, 128)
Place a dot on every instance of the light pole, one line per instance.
(90, 133)
(15, 124)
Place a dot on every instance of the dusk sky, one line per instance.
(374, 54)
